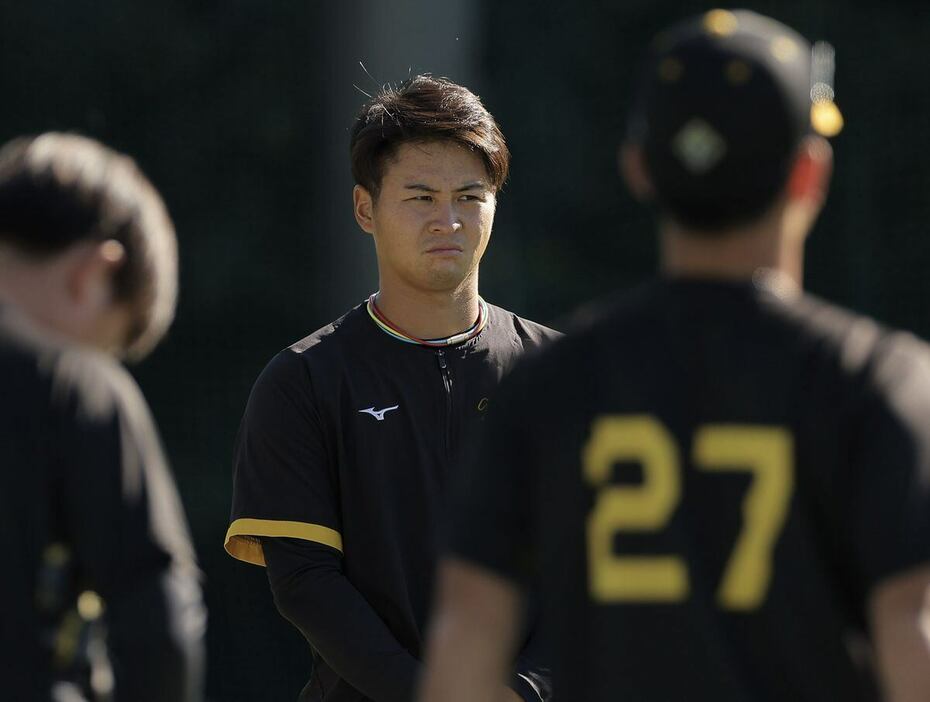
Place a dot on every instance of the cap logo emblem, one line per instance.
(699, 146)
(720, 23)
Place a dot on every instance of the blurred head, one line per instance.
(428, 160)
(86, 245)
(728, 122)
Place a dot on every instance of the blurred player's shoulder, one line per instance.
(555, 370)
(83, 381)
(859, 345)
(595, 312)
(603, 320)
(803, 324)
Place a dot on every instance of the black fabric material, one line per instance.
(854, 397)
(88, 504)
(308, 452)
(313, 594)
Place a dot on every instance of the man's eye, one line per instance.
(422, 198)
(472, 198)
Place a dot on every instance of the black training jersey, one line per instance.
(98, 581)
(708, 482)
(348, 440)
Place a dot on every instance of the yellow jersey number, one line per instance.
(764, 451)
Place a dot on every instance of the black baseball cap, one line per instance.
(722, 104)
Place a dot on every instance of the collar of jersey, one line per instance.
(391, 329)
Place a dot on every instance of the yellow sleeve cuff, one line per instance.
(242, 540)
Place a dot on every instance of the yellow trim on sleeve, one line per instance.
(242, 540)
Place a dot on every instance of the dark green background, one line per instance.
(230, 107)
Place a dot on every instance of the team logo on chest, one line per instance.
(378, 414)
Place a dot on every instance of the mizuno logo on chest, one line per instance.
(378, 414)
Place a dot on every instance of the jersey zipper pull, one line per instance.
(447, 385)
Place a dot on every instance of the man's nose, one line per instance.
(446, 220)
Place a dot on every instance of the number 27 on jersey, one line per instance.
(766, 452)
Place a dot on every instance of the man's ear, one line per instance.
(363, 206)
(810, 175)
(632, 163)
(90, 282)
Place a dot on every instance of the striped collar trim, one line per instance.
(391, 329)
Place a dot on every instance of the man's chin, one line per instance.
(445, 273)
(438, 280)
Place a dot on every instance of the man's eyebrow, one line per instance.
(473, 185)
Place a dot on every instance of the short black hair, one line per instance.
(57, 190)
(424, 109)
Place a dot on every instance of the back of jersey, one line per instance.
(97, 556)
(722, 474)
(26, 443)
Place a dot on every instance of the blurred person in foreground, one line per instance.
(351, 435)
(721, 484)
(100, 594)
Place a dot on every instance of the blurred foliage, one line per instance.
(227, 106)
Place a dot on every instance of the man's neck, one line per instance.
(26, 290)
(773, 243)
(27, 300)
(429, 314)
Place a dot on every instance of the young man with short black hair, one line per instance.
(351, 435)
(100, 593)
(733, 501)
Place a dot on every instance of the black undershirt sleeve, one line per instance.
(311, 591)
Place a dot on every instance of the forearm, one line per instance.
(905, 660)
(472, 637)
(312, 593)
(900, 621)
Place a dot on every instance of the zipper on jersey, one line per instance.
(447, 384)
